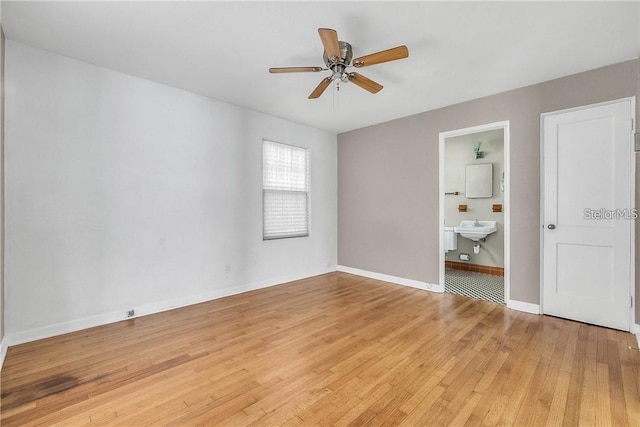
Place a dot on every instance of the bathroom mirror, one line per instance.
(479, 181)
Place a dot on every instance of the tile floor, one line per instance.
(474, 285)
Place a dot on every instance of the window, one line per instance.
(285, 190)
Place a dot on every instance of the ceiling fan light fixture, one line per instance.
(339, 73)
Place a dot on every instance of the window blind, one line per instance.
(285, 190)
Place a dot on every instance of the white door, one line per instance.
(587, 216)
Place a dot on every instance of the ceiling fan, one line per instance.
(338, 56)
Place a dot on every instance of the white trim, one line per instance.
(635, 329)
(632, 262)
(3, 351)
(392, 279)
(507, 208)
(631, 99)
(527, 307)
(541, 214)
(505, 126)
(145, 309)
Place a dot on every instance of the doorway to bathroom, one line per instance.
(474, 212)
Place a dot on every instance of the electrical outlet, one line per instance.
(131, 313)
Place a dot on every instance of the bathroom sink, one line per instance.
(476, 230)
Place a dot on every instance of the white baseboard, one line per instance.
(513, 304)
(635, 329)
(145, 309)
(392, 279)
(3, 351)
(527, 307)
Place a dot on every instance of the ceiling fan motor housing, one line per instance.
(339, 65)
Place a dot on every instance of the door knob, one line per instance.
(551, 226)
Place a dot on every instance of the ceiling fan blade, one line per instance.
(329, 39)
(324, 83)
(382, 56)
(365, 83)
(294, 69)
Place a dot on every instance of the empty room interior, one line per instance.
(265, 213)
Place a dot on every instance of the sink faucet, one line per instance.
(477, 223)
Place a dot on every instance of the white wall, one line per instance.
(458, 154)
(123, 193)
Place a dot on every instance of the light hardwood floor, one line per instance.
(335, 349)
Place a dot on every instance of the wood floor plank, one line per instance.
(464, 413)
(335, 349)
(494, 413)
(556, 413)
(603, 404)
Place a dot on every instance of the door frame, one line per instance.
(632, 160)
(505, 126)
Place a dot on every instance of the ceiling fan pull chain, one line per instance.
(333, 100)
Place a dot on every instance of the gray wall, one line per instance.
(388, 178)
(1, 184)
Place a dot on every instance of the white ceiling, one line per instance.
(458, 50)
